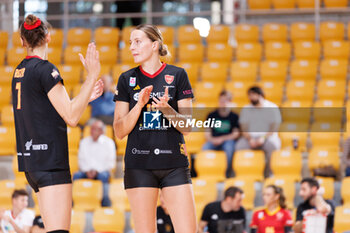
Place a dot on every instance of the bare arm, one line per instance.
(298, 226)
(322, 206)
(202, 224)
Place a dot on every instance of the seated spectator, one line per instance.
(223, 138)
(164, 224)
(38, 225)
(103, 107)
(259, 122)
(346, 157)
(19, 219)
(314, 206)
(274, 217)
(97, 158)
(227, 215)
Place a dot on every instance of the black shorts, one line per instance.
(137, 178)
(40, 179)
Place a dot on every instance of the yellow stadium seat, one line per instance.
(54, 55)
(336, 49)
(15, 55)
(126, 55)
(168, 34)
(246, 33)
(192, 70)
(7, 117)
(306, 3)
(74, 136)
(107, 36)
(78, 221)
(108, 220)
(307, 50)
(7, 140)
(247, 185)
(239, 90)
(273, 71)
(273, 90)
(4, 36)
(5, 93)
(332, 31)
(341, 218)
(328, 184)
(335, 3)
(108, 54)
(126, 32)
(121, 145)
(294, 127)
(105, 70)
(70, 74)
(303, 70)
(259, 4)
(288, 186)
(302, 32)
(326, 126)
(283, 4)
(220, 52)
(291, 140)
(194, 142)
(2, 56)
(345, 191)
(249, 51)
(274, 32)
(78, 36)
(249, 164)
(86, 116)
(19, 176)
(287, 163)
(118, 69)
(331, 89)
(277, 51)
(74, 164)
(7, 187)
(118, 195)
(169, 58)
(87, 194)
(325, 139)
(204, 190)
(300, 90)
(214, 72)
(218, 34)
(87, 129)
(57, 36)
(297, 114)
(71, 54)
(297, 104)
(319, 157)
(16, 39)
(244, 71)
(6, 73)
(208, 91)
(211, 165)
(187, 34)
(191, 53)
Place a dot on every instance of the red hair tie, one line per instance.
(31, 27)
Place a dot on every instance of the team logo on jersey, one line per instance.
(152, 120)
(137, 88)
(169, 78)
(132, 81)
(279, 216)
(29, 144)
(54, 73)
(19, 73)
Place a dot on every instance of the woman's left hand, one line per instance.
(97, 91)
(162, 103)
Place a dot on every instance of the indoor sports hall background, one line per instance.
(297, 51)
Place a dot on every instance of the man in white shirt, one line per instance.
(259, 122)
(19, 219)
(97, 158)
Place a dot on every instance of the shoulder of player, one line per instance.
(130, 72)
(174, 69)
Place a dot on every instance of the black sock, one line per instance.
(58, 231)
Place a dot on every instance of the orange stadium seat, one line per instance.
(5, 93)
(204, 190)
(293, 140)
(334, 69)
(78, 36)
(239, 91)
(194, 142)
(287, 163)
(168, 34)
(86, 116)
(218, 34)
(274, 32)
(87, 194)
(304, 70)
(187, 34)
(118, 195)
(335, 3)
(306, 3)
(211, 165)
(249, 51)
(341, 218)
(16, 41)
(319, 157)
(2, 56)
(336, 49)
(302, 32)
(249, 164)
(273, 90)
(118, 69)
(247, 185)
(121, 145)
(307, 50)
(192, 70)
(108, 220)
(288, 186)
(214, 72)
(328, 111)
(70, 74)
(244, 71)
(273, 70)
(73, 163)
(259, 4)
(331, 89)
(57, 36)
(6, 73)
(297, 103)
(74, 136)
(208, 91)
(294, 127)
(170, 57)
(296, 113)
(328, 184)
(345, 191)
(107, 36)
(332, 31)
(15, 55)
(283, 4)
(191, 53)
(246, 33)
(126, 55)
(126, 31)
(4, 36)
(7, 140)
(108, 54)
(277, 51)
(71, 54)
(78, 221)
(54, 55)
(219, 52)
(7, 117)
(7, 187)
(326, 126)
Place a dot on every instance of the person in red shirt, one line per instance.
(274, 217)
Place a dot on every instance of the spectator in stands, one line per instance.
(346, 157)
(97, 158)
(223, 138)
(274, 217)
(103, 107)
(259, 122)
(227, 215)
(38, 225)
(19, 219)
(129, 7)
(164, 224)
(314, 205)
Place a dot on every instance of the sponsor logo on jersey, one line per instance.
(158, 151)
(132, 81)
(30, 146)
(169, 79)
(136, 151)
(19, 73)
(137, 88)
(55, 73)
(187, 92)
(153, 94)
(152, 120)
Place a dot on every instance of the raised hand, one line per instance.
(145, 95)
(162, 102)
(97, 91)
(91, 62)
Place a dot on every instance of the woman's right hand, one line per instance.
(144, 95)
(91, 62)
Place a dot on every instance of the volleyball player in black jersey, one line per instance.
(155, 156)
(42, 110)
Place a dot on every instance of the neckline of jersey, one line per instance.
(29, 57)
(156, 73)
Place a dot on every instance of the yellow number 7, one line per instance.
(18, 88)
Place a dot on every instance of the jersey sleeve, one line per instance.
(184, 89)
(121, 93)
(49, 76)
(254, 222)
(206, 214)
(288, 221)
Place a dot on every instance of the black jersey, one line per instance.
(150, 145)
(41, 133)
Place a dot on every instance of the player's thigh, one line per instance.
(143, 203)
(179, 201)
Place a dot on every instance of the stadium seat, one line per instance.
(214, 72)
(211, 164)
(287, 163)
(87, 194)
(296, 111)
(109, 131)
(244, 71)
(192, 70)
(274, 32)
(319, 157)
(71, 54)
(325, 139)
(273, 90)
(105, 70)
(7, 117)
(326, 126)
(73, 163)
(169, 58)
(5, 93)
(280, 51)
(78, 221)
(191, 53)
(294, 127)
(2, 56)
(335, 3)
(168, 34)
(246, 33)
(341, 219)
(336, 49)
(306, 3)
(303, 70)
(194, 142)
(297, 90)
(54, 55)
(247, 185)
(70, 74)
(307, 50)
(249, 164)
(74, 136)
(20, 177)
(7, 187)
(259, 4)
(297, 104)
(345, 191)
(15, 55)
(126, 31)
(283, 4)
(6, 73)
(239, 89)
(107, 36)
(275, 71)
(108, 54)
(219, 52)
(331, 31)
(126, 56)
(57, 36)
(334, 69)
(288, 186)
(218, 34)
(121, 145)
(208, 91)
(16, 39)
(7, 140)
(247, 51)
(187, 34)
(86, 116)
(302, 32)
(3, 39)
(78, 36)
(204, 190)
(331, 90)
(108, 220)
(328, 184)
(293, 140)
(118, 69)
(118, 195)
